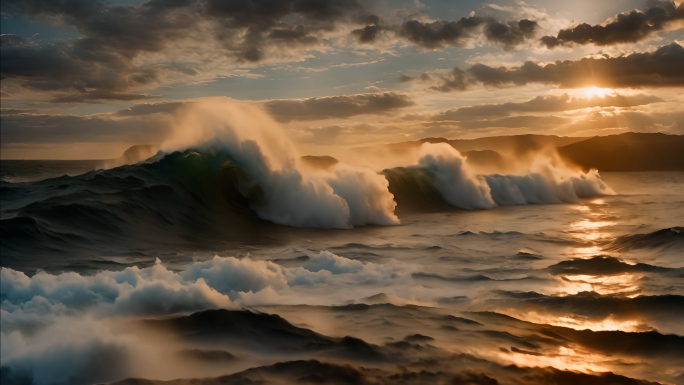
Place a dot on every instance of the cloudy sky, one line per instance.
(84, 79)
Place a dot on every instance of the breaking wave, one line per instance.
(229, 165)
(442, 173)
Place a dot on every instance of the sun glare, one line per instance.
(590, 92)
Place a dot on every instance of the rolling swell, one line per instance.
(670, 238)
(413, 190)
(184, 196)
(208, 197)
(444, 178)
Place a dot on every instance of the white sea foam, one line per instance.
(342, 197)
(547, 181)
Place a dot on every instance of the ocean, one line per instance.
(192, 266)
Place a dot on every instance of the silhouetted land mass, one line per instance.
(624, 152)
(322, 162)
(628, 152)
(517, 144)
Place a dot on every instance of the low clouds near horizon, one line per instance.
(347, 72)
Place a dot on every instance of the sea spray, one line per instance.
(342, 197)
(546, 181)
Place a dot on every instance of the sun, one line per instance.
(590, 92)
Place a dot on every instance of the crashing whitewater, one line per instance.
(344, 196)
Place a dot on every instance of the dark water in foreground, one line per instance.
(161, 275)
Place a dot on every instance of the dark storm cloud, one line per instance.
(439, 33)
(147, 109)
(546, 103)
(624, 28)
(367, 34)
(103, 58)
(661, 68)
(336, 106)
(267, 22)
(108, 61)
(406, 78)
(511, 34)
(100, 95)
(14, 111)
(65, 67)
(113, 36)
(456, 33)
(250, 12)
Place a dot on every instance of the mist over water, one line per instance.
(343, 196)
(291, 195)
(225, 259)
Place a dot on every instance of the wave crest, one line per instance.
(547, 181)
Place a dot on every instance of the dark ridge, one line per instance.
(142, 381)
(453, 300)
(404, 345)
(672, 237)
(518, 144)
(509, 338)
(322, 162)
(428, 377)
(527, 256)
(485, 158)
(602, 265)
(313, 371)
(597, 306)
(418, 338)
(22, 232)
(351, 307)
(638, 344)
(357, 349)
(207, 355)
(469, 278)
(316, 372)
(352, 245)
(451, 279)
(516, 350)
(642, 344)
(461, 320)
(555, 376)
(260, 331)
(628, 152)
(291, 372)
(500, 233)
(137, 153)
(380, 298)
(242, 325)
(380, 306)
(624, 152)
